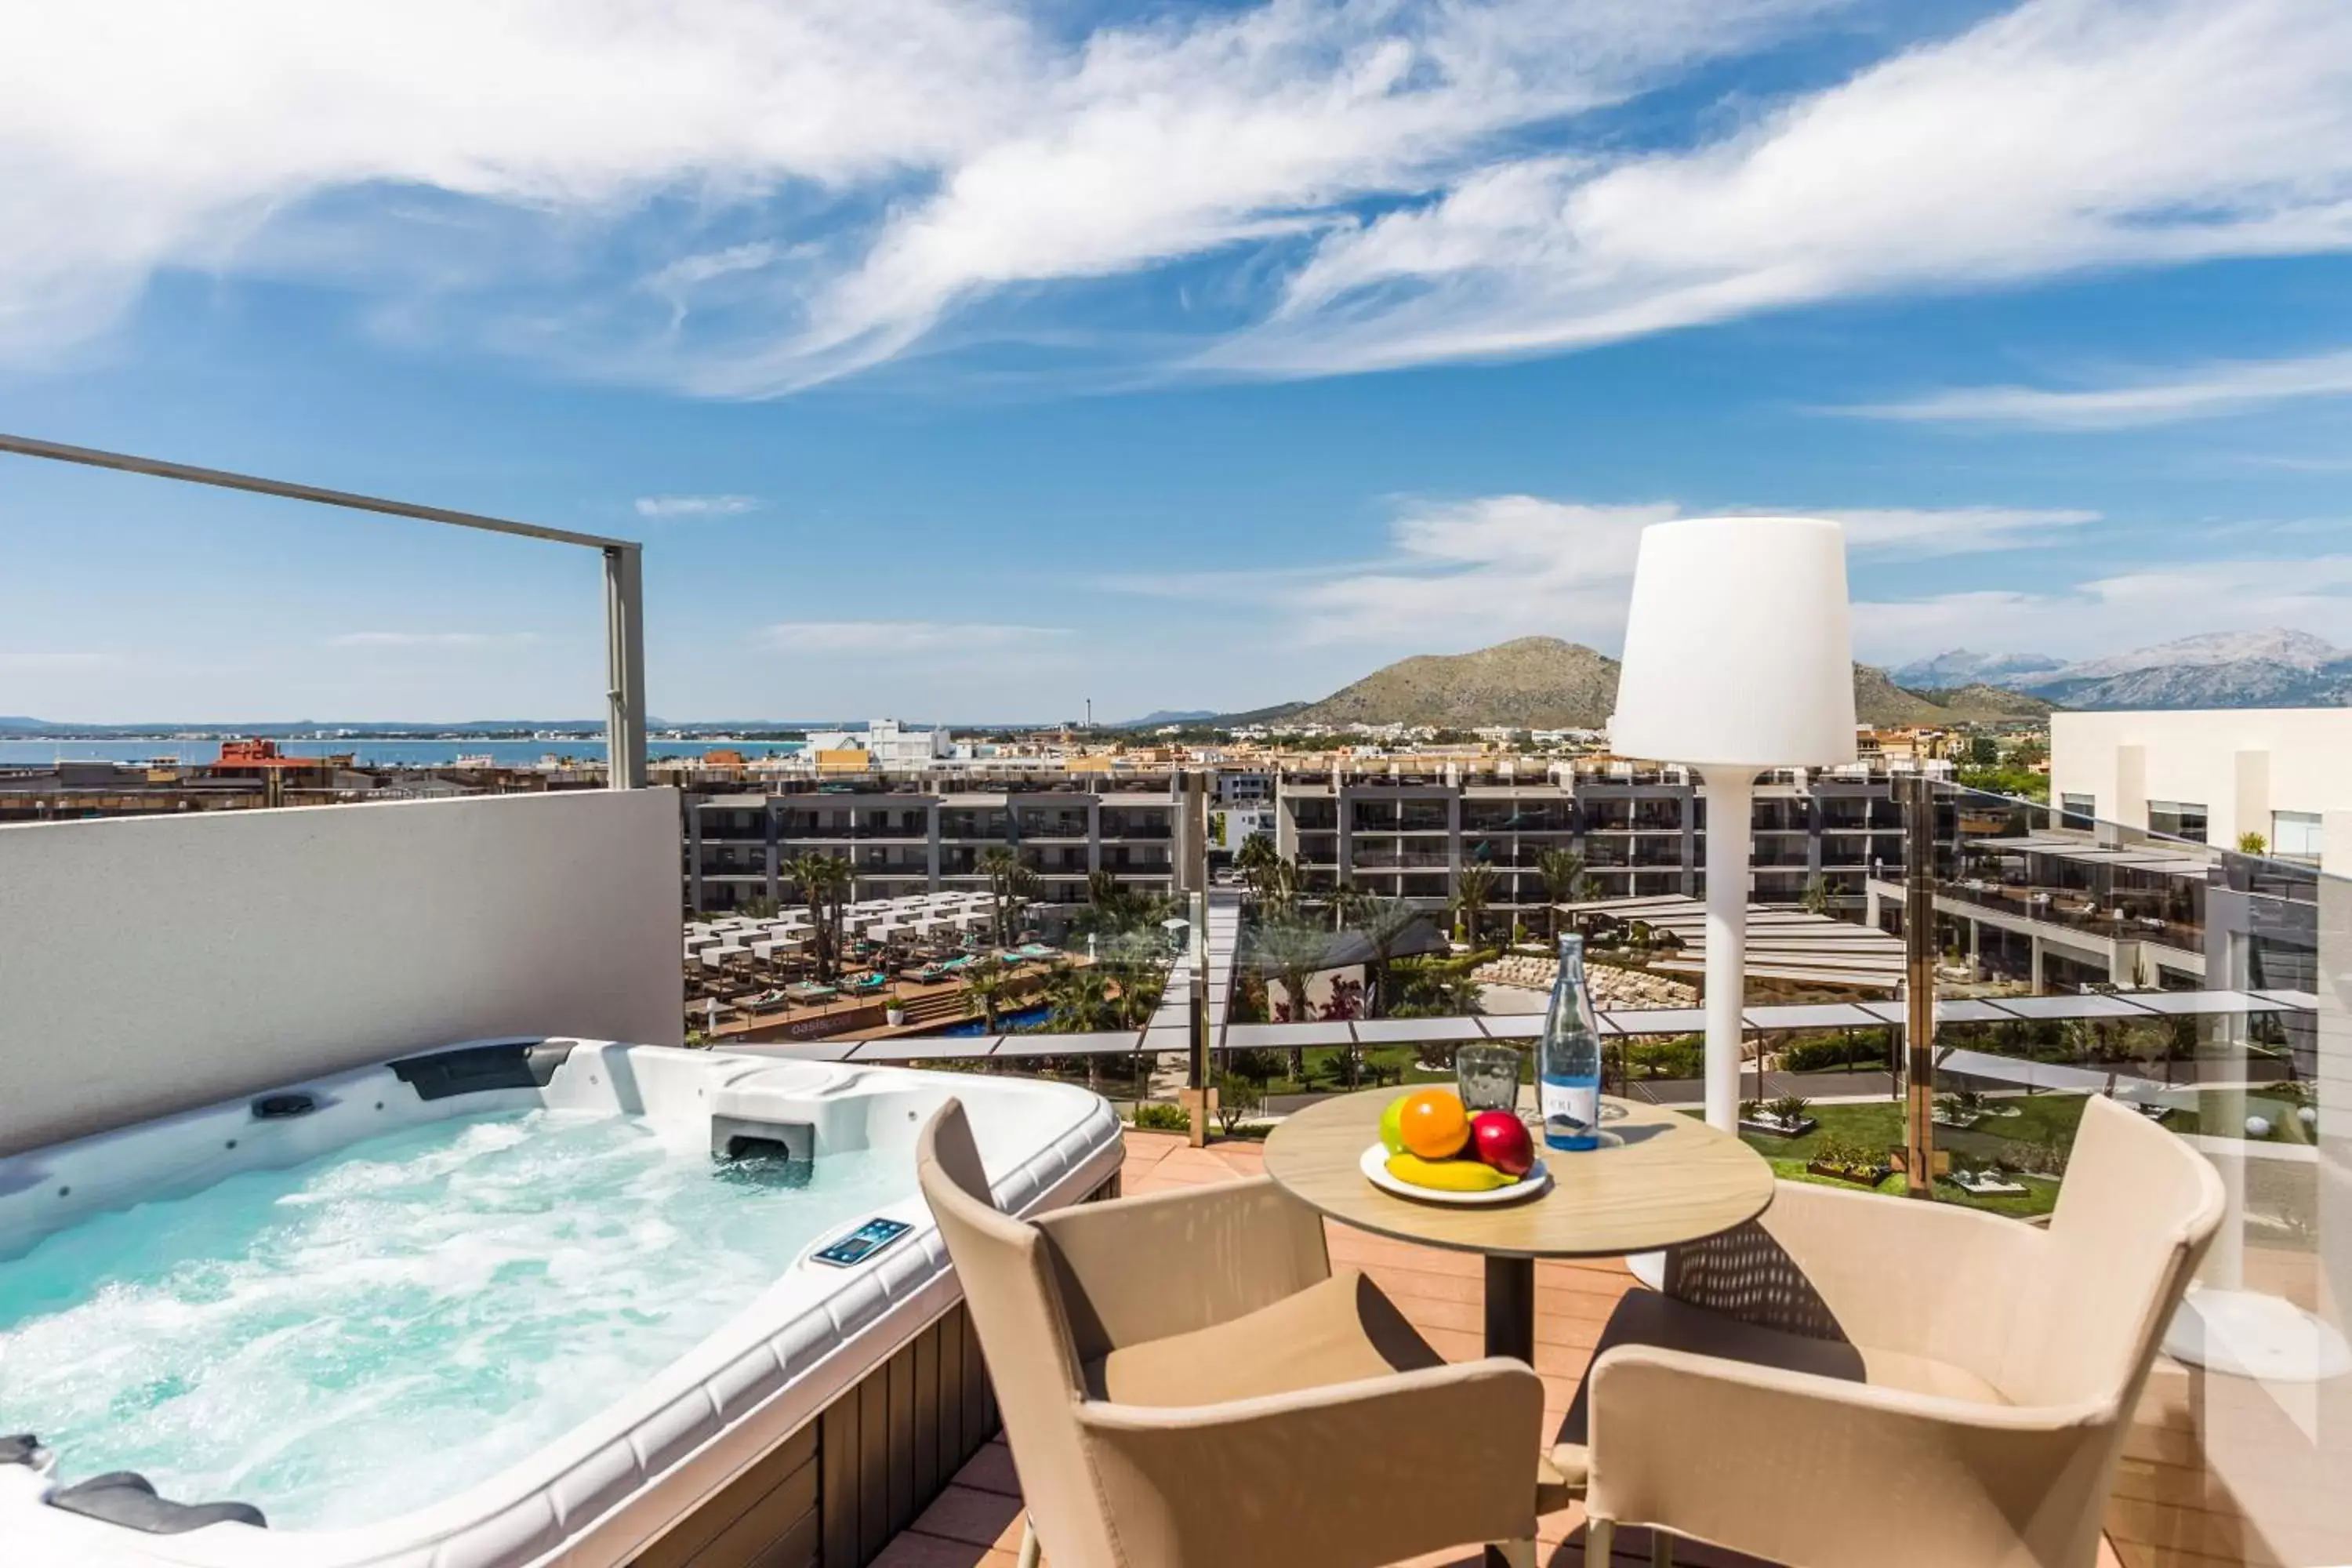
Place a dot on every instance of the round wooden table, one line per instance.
(1663, 1179)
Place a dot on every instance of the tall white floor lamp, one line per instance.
(1738, 657)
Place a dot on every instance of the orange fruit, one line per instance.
(1433, 1123)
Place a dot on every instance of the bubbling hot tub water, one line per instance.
(403, 1316)
(493, 1304)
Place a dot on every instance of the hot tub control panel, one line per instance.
(862, 1243)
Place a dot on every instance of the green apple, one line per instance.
(1392, 1125)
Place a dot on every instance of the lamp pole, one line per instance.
(1729, 793)
(1918, 985)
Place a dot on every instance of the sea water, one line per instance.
(371, 1331)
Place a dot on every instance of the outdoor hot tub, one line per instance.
(515, 1301)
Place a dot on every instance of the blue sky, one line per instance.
(967, 362)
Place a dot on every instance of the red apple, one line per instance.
(1501, 1139)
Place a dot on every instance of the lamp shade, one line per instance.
(1737, 650)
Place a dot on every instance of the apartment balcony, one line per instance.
(1395, 859)
(552, 920)
(1482, 816)
(1377, 820)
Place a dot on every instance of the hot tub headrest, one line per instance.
(468, 1070)
(128, 1499)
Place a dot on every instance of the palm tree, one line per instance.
(1562, 872)
(1138, 962)
(1383, 923)
(1473, 889)
(1077, 1000)
(1001, 866)
(824, 881)
(1294, 950)
(1256, 859)
(984, 993)
(1114, 908)
(1024, 886)
(1281, 892)
(1104, 895)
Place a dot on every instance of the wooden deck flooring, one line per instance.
(977, 1522)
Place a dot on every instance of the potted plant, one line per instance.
(1843, 1160)
(1959, 1111)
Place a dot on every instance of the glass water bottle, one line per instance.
(1567, 1061)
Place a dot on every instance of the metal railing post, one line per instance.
(1919, 985)
(624, 631)
(624, 654)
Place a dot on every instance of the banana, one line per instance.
(1446, 1175)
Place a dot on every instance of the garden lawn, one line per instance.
(2044, 1120)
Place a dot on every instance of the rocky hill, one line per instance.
(2274, 667)
(1544, 683)
(1982, 704)
(1534, 683)
(1962, 667)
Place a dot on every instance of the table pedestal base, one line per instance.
(1511, 1308)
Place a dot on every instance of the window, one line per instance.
(2294, 834)
(2077, 810)
(2176, 820)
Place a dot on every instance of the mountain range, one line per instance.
(2274, 667)
(1544, 683)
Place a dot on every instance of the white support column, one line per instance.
(1730, 794)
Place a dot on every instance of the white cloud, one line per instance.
(2203, 392)
(882, 638)
(741, 198)
(1896, 531)
(2059, 136)
(666, 508)
(2128, 610)
(829, 180)
(432, 639)
(52, 660)
(1498, 566)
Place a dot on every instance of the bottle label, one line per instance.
(1571, 1114)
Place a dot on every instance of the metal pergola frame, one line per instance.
(625, 632)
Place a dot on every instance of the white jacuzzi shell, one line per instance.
(595, 1495)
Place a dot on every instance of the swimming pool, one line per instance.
(503, 1304)
(1017, 1020)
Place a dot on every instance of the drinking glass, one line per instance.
(1487, 1078)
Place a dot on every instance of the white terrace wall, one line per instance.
(2240, 763)
(151, 966)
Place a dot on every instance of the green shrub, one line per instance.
(1238, 1099)
(1825, 1053)
(1258, 1066)
(1153, 1117)
(1849, 1156)
(1680, 1056)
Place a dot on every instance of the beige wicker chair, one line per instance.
(1185, 1381)
(1855, 1381)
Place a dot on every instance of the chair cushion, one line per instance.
(1340, 1329)
(1647, 1317)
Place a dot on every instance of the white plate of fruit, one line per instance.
(1433, 1151)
